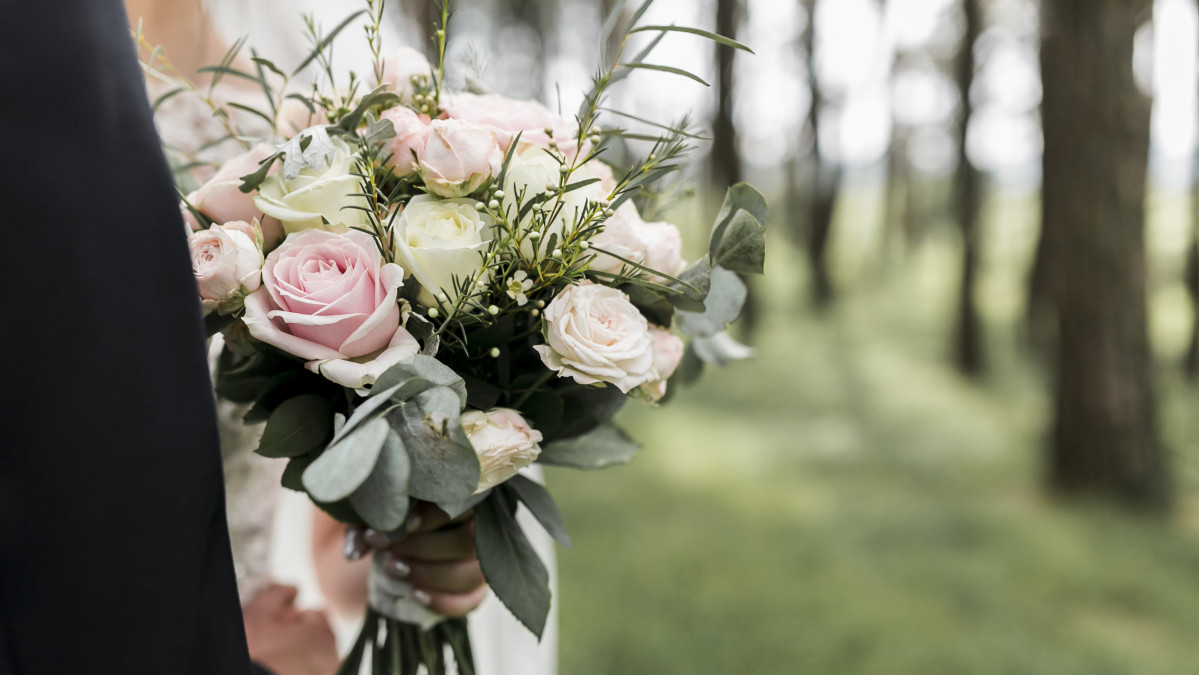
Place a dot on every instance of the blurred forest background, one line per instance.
(969, 439)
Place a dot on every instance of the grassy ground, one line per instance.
(846, 504)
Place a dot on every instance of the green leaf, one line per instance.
(382, 500)
(539, 502)
(324, 43)
(421, 368)
(364, 411)
(445, 467)
(665, 127)
(253, 111)
(163, 98)
(510, 564)
(666, 69)
(697, 283)
(654, 306)
(215, 322)
(740, 197)
(742, 245)
(603, 446)
(345, 466)
(715, 37)
(293, 474)
(380, 97)
(722, 307)
(378, 130)
(226, 70)
(251, 181)
(297, 427)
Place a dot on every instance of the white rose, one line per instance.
(320, 196)
(621, 236)
(504, 442)
(657, 246)
(438, 240)
(596, 335)
(533, 170)
(227, 262)
(668, 352)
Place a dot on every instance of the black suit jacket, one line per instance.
(114, 554)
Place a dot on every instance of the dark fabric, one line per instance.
(114, 554)
(259, 670)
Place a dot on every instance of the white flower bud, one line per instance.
(493, 310)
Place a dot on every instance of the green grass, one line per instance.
(844, 503)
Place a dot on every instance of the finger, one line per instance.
(313, 618)
(440, 546)
(451, 604)
(356, 545)
(426, 517)
(275, 597)
(460, 576)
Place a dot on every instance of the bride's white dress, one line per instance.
(270, 531)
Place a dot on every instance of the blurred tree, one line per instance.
(1191, 361)
(726, 159)
(825, 176)
(1105, 439)
(967, 194)
(901, 202)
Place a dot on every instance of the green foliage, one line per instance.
(513, 570)
(445, 467)
(721, 308)
(347, 463)
(297, 427)
(539, 502)
(738, 238)
(381, 500)
(603, 446)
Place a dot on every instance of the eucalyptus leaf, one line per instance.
(740, 197)
(382, 500)
(381, 97)
(539, 502)
(345, 465)
(445, 467)
(297, 427)
(697, 282)
(511, 566)
(742, 246)
(365, 411)
(723, 306)
(603, 446)
(654, 306)
(421, 367)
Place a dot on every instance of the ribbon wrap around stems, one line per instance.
(393, 598)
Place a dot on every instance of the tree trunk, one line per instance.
(1105, 438)
(726, 160)
(1191, 362)
(826, 178)
(968, 335)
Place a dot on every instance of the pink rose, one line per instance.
(222, 200)
(504, 442)
(328, 298)
(399, 69)
(668, 352)
(295, 117)
(226, 261)
(458, 158)
(508, 116)
(412, 131)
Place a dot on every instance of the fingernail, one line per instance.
(376, 539)
(397, 568)
(354, 544)
(422, 597)
(412, 523)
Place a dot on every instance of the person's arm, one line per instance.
(114, 546)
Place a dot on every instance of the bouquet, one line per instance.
(423, 291)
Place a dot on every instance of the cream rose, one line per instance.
(596, 335)
(458, 158)
(227, 263)
(328, 298)
(222, 200)
(504, 442)
(657, 246)
(412, 130)
(320, 195)
(399, 69)
(668, 352)
(440, 240)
